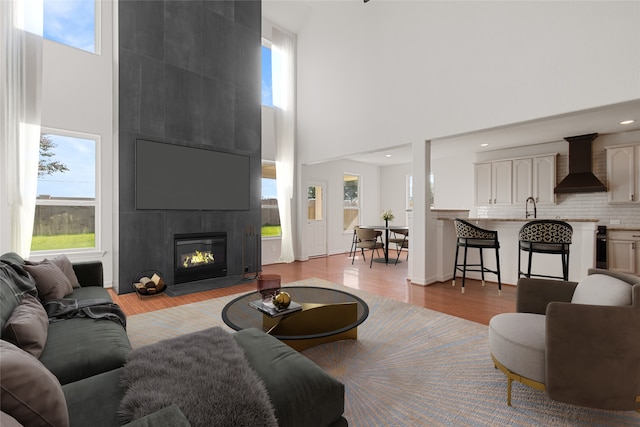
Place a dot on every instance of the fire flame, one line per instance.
(198, 258)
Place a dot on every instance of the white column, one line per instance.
(423, 259)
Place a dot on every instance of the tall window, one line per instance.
(270, 214)
(71, 22)
(351, 201)
(65, 215)
(267, 85)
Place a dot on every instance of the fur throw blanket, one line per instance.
(205, 373)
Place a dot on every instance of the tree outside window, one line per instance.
(351, 201)
(66, 194)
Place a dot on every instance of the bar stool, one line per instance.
(545, 236)
(471, 236)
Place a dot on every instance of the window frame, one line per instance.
(358, 208)
(268, 45)
(97, 29)
(97, 202)
(262, 206)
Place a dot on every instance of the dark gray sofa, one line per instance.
(86, 356)
(83, 354)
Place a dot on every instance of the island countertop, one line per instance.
(531, 219)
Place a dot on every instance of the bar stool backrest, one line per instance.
(466, 230)
(546, 231)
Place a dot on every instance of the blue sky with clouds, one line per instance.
(79, 155)
(71, 22)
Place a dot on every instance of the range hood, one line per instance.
(580, 179)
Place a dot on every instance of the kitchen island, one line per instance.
(582, 252)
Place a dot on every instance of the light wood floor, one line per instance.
(478, 303)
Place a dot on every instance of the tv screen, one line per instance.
(186, 178)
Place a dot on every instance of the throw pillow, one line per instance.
(50, 280)
(29, 392)
(601, 289)
(27, 326)
(64, 264)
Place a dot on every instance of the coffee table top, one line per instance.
(238, 314)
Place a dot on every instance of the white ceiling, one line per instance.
(292, 15)
(603, 121)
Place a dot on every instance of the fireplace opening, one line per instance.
(199, 256)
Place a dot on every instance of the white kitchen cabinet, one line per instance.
(544, 179)
(522, 180)
(493, 183)
(623, 251)
(623, 174)
(534, 177)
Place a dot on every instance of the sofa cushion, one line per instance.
(50, 280)
(302, 393)
(93, 401)
(601, 289)
(29, 392)
(90, 292)
(7, 420)
(80, 347)
(168, 416)
(27, 326)
(517, 340)
(65, 265)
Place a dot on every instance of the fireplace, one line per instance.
(199, 256)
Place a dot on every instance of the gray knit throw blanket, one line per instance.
(205, 373)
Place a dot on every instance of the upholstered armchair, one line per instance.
(579, 342)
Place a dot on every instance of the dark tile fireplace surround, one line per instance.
(189, 74)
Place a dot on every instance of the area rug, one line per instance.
(409, 367)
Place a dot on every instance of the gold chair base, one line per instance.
(314, 319)
(512, 376)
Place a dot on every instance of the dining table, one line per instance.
(385, 229)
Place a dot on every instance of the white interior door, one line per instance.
(316, 219)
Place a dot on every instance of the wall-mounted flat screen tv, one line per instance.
(185, 178)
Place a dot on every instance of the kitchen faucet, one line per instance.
(526, 208)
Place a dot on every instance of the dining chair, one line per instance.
(401, 240)
(354, 241)
(368, 239)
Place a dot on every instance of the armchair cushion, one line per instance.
(600, 289)
(517, 340)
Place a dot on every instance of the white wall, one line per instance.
(393, 194)
(387, 73)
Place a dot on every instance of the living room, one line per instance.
(389, 97)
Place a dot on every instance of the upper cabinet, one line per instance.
(493, 183)
(514, 181)
(544, 179)
(623, 174)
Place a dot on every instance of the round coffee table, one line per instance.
(327, 315)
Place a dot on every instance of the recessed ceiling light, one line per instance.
(387, 155)
(484, 145)
(627, 122)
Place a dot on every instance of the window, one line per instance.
(409, 191)
(267, 84)
(71, 22)
(270, 213)
(351, 204)
(65, 216)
